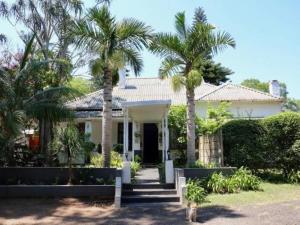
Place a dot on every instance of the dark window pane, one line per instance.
(120, 135)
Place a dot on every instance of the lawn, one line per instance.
(271, 193)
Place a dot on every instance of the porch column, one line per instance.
(163, 138)
(126, 175)
(166, 136)
(125, 134)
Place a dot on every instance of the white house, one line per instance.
(142, 104)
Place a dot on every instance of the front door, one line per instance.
(150, 154)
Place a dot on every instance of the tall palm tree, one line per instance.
(115, 44)
(183, 55)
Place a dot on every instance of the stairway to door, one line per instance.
(148, 190)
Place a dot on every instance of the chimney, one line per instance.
(122, 78)
(274, 88)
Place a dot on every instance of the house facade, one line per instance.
(141, 105)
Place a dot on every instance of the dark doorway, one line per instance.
(150, 143)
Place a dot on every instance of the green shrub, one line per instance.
(137, 158)
(245, 180)
(283, 135)
(294, 177)
(200, 164)
(243, 142)
(116, 160)
(242, 179)
(135, 167)
(195, 194)
(217, 183)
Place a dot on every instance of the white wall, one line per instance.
(244, 109)
(97, 130)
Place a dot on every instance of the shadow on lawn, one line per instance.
(208, 213)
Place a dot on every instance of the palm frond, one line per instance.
(221, 40)
(180, 25)
(133, 33)
(170, 66)
(48, 110)
(96, 67)
(103, 19)
(133, 58)
(54, 94)
(86, 35)
(28, 49)
(178, 82)
(166, 45)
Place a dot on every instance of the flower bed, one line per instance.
(52, 182)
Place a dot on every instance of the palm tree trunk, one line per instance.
(45, 139)
(190, 126)
(107, 117)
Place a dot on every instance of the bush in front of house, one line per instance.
(243, 142)
(115, 162)
(283, 136)
(135, 166)
(270, 143)
(195, 193)
(199, 164)
(241, 180)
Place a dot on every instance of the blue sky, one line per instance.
(267, 33)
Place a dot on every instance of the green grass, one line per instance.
(271, 193)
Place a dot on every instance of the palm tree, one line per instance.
(21, 98)
(115, 44)
(183, 55)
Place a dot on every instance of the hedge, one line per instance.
(272, 142)
(243, 142)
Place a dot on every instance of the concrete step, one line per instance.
(148, 181)
(151, 204)
(148, 186)
(150, 199)
(149, 192)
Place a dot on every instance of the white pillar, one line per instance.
(163, 138)
(125, 133)
(166, 136)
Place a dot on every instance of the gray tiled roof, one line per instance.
(232, 92)
(151, 89)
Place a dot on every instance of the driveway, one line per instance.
(73, 211)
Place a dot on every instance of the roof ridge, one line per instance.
(257, 91)
(217, 88)
(83, 96)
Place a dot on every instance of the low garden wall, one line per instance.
(52, 182)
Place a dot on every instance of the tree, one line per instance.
(82, 85)
(67, 140)
(264, 86)
(215, 73)
(49, 20)
(256, 84)
(291, 105)
(115, 44)
(22, 99)
(184, 54)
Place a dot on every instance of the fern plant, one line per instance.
(195, 194)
